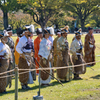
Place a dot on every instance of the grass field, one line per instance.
(86, 89)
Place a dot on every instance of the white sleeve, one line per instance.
(19, 47)
(21, 44)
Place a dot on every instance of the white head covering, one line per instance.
(51, 30)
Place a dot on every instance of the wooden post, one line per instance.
(16, 83)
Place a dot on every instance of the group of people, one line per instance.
(44, 52)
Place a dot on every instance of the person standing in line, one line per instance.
(77, 55)
(37, 47)
(89, 47)
(5, 58)
(10, 43)
(63, 57)
(55, 47)
(44, 52)
(25, 49)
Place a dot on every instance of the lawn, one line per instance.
(86, 89)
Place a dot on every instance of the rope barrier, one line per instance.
(60, 67)
(42, 69)
(7, 76)
(7, 72)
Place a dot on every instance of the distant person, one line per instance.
(89, 47)
(37, 47)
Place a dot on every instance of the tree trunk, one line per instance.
(82, 24)
(42, 26)
(57, 26)
(5, 19)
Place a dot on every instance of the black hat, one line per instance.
(90, 28)
(46, 31)
(58, 30)
(50, 30)
(78, 33)
(19, 31)
(38, 31)
(9, 29)
(30, 28)
(76, 28)
(64, 31)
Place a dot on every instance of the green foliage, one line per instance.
(60, 20)
(43, 10)
(8, 5)
(82, 9)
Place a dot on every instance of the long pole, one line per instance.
(47, 72)
(16, 83)
(39, 83)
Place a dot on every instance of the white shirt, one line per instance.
(4, 49)
(21, 44)
(45, 47)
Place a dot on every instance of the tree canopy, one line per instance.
(43, 10)
(7, 6)
(82, 8)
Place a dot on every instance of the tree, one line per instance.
(82, 8)
(6, 6)
(19, 19)
(61, 19)
(43, 10)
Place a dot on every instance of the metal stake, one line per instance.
(38, 97)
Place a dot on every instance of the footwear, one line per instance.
(5, 92)
(50, 84)
(77, 78)
(27, 87)
(45, 85)
(24, 87)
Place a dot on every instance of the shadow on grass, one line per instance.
(57, 83)
(8, 92)
(32, 88)
(37, 87)
(96, 77)
(19, 90)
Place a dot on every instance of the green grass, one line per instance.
(86, 89)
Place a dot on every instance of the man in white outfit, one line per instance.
(25, 49)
